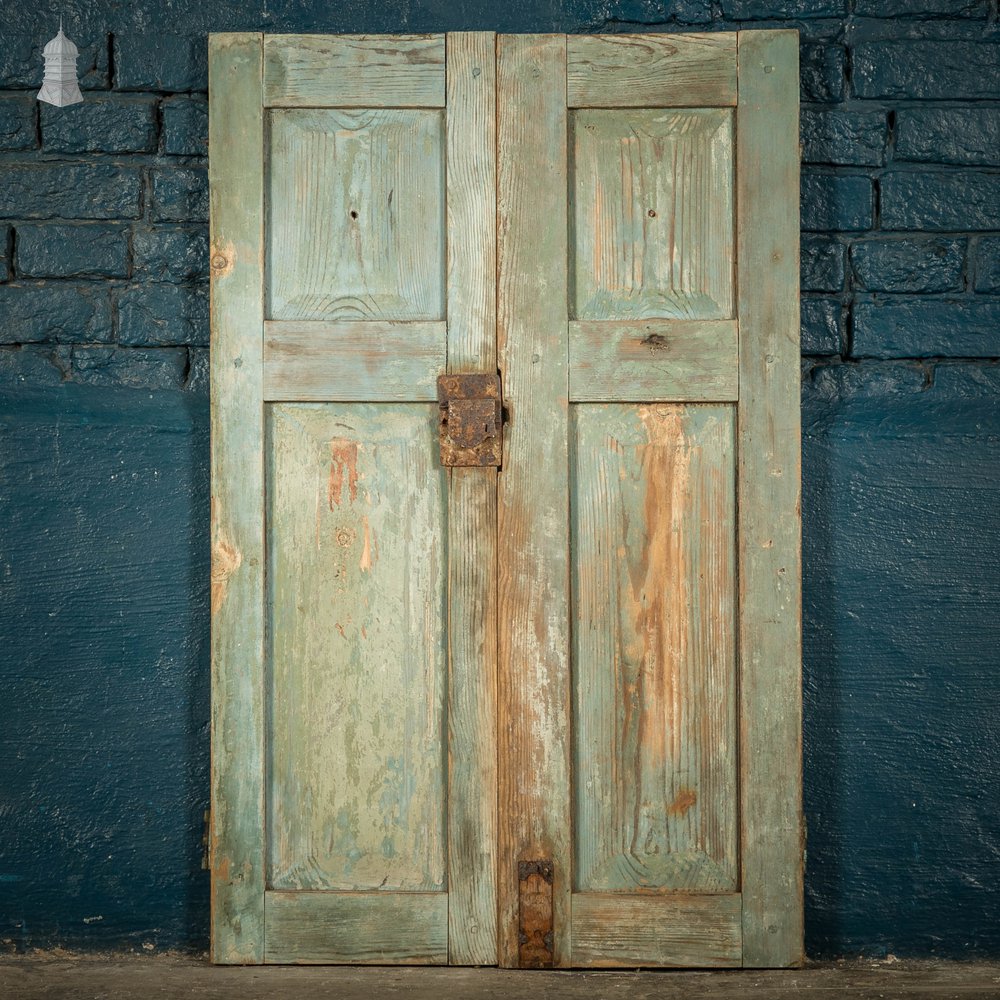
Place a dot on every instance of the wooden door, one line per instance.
(549, 716)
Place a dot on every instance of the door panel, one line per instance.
(366, 723)
(356, 214)
(540, 716)
(356, 570)
(360, 928)
(654, 666)
(652, 214)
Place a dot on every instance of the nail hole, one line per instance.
(651, 214)
(354, 214)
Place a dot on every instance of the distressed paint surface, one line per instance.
(648, 361)
(652, 195)
(682, 929)
(769, 481)
(236, 840)
(654, 672)
(347, 71)
(533, 493)
(366, 928)
(366, 361)
(472, 510)
(357, 624)
(356, 215)
(651, 70)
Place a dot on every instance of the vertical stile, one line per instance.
(236, 179)
(472, 622)
(533, 492)
(768, 498)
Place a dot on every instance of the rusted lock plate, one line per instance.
(471, 418)
(534, 936)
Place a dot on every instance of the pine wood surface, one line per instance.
(236, 848)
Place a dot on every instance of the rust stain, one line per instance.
(685, 799)
(340, 629)
(226, 560)
(343, 462)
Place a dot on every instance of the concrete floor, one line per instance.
(69, 977)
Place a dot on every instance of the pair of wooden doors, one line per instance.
(540, 715)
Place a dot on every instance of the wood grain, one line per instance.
(236, 849)
(654, 662)
(345, 71)
(533, 714)
(363, 928)
(356, 215)
(357, 582)
(651, 70)
(313, 360)
(769, 478)
(678, 930)
(472, 621)
(654, 361)
(652, 214)
(471, 216)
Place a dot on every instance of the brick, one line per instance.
(198, 370)
(843, 137)
(821, 323)
(130, 367)
(163, 314)
(158, 61)
(17, 122)
(5, 237)
(821, 71)
(924, 265)
(822, 264)
(33, 364)
(100, 125)
(185, 127)
(836, 202)
(921, 8)
(56, 251)
(754, 10)
(969, 136)
(959, 200)
(40, 313)
(69, 191)
(170, 254)
(21, 60)
(949, 69)
(987, 265)
(905, 327)
(180, 195)
(651, 12)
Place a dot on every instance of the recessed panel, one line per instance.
(654, 670)
(356, 215)
(357, 647)
(652, 214)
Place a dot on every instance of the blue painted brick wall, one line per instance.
(103, 464)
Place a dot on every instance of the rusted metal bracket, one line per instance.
(534, 929)
(471, 419)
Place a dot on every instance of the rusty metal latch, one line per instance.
(534, 918)
(471, 419)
